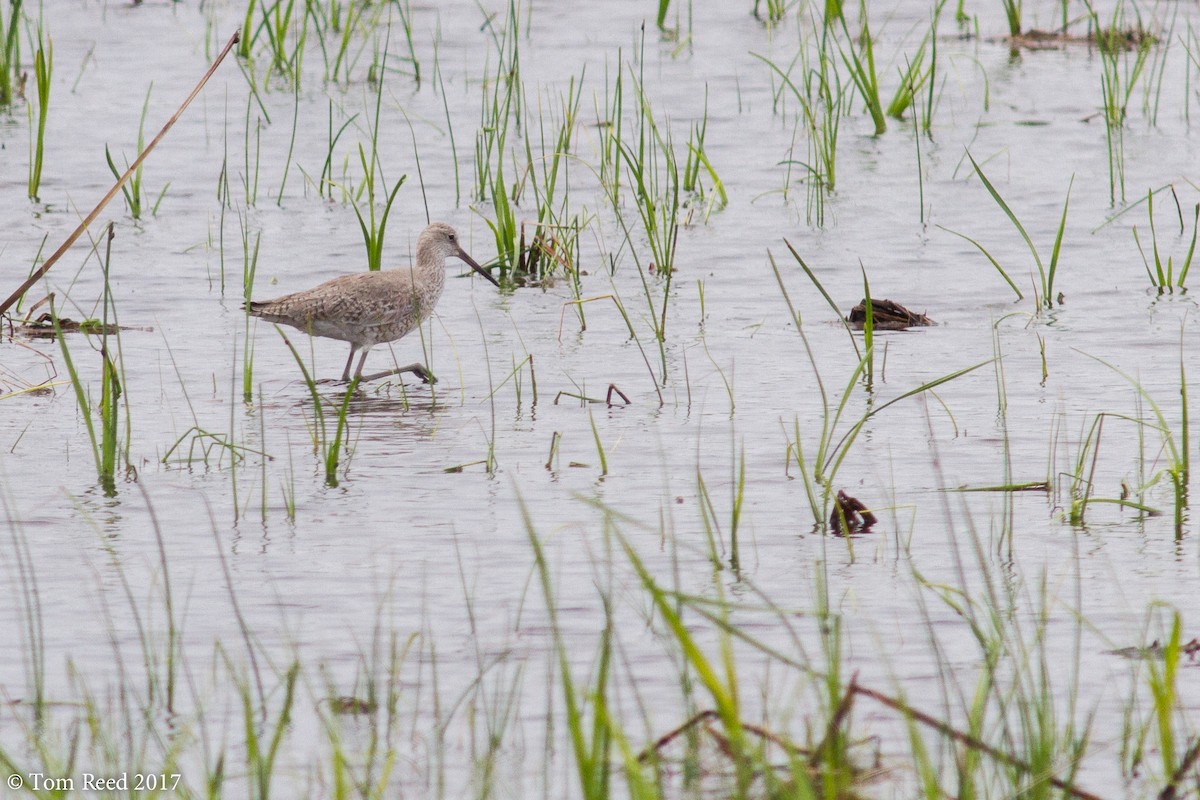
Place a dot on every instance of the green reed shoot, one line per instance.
(610, 119)
(404, 8)
(1083, 475)
(133, 190)
(261, 739)
(1164, 691)
(868, 331)
(333, 452)
(10, 52)
(709, 516)
(325, 184)
(1045, 272)
(277, 24)
(335, 25)
(329, 449)
(1163, 276)
(822, 99)
(374, 228)
(441, 90)
(501, 106)
(250, 169)
(249, 268)
(555, 237)
(503, 224)
(660, 19)
(249, 31)
(287, 165)
(776, 10)
(599, 445)
(652, 171)
(1176, 446)
(916, 73)
(43, 67)
(110, 383)
(697, 158)
(1118, 76)
(105, 442)
(592, 746)
(1012, 13)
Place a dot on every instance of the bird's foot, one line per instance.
(416, 369)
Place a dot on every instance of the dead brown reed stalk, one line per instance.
(137, 162)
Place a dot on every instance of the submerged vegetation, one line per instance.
(742, 545)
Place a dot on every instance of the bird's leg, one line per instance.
(416, 369)
(346, 371)
(361, 361)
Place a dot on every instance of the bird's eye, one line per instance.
(452, 237)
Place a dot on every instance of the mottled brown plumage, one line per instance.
(367, 308)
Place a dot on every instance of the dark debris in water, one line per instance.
(1157, 651)
(1110, 40)
(887, 316)
(352, 705)
(43, 327)
(850, 515)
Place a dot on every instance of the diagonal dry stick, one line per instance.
(65, 246)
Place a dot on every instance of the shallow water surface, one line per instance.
(224, 555)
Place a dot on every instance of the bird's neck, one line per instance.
(430, 265)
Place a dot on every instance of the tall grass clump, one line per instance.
(652, 173)
(858, 54)
(822, 99)
(106, 440)
(750, 759)
(343, 31)
(43, 68)
(1120, 71)
(919, 70)
(554, 243)
(285, 29)
(1163, 275)
(501, 109)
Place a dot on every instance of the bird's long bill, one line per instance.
(463, 255)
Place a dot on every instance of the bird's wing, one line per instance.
(362, 299)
